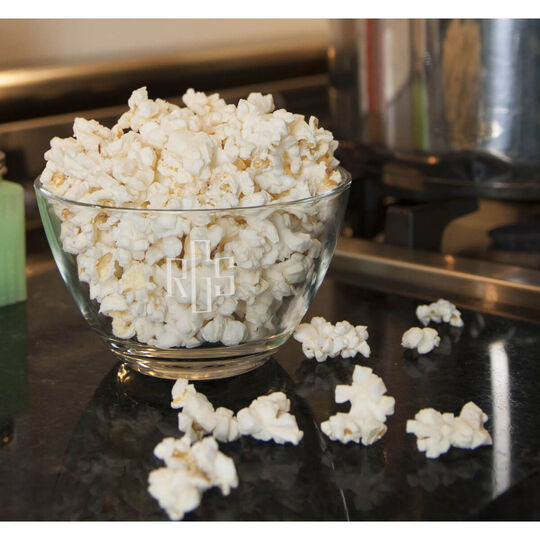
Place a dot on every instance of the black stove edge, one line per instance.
(49, 90)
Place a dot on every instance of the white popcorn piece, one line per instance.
(233, 333)
(113, 303)
(180, 390)
(173, 490)
(268, 418)
(221, 424)
(352, 339)
(422, 339)
(190, 470)
(197, 407)
(469, 431)
(433, 430)
(440, 311)
(366, 418)
(412, 337)
(189, 427)
(206, 155)
(341, 427)
(215, 465)
(226, 427)
(198, 416)
(316, 339)
(122, 328)
(437, 432)
(320, 339)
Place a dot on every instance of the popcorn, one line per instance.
(174, 492)
(198, 416)
(198, 408)
(469, 431)
(422, 339)
(267, 417)
(233, 333)
(341, 427)
(352, 340)
(366, 418)
(440, 311)
(434, 431)
(189, 471)
(180, 392)
(206, 155)
(320, 339)
(226, 425)
(113, 303)
(437, 432)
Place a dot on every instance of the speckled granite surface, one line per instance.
(78, 429)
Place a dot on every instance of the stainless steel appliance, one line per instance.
(441, 124)
(437, 86)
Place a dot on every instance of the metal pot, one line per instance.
(419, 87)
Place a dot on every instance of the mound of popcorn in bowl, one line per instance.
(194, 238)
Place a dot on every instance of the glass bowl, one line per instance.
(198, 294)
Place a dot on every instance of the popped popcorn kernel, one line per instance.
(437, 432)
(189, 471)
(365, 421)
(268, 418)
(424, 340)
(440, 311)
(320, 339)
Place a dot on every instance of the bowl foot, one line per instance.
(203, 369)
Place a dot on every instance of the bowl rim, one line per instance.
(345, 174)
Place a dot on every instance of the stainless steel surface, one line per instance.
(501, 289)
(26, 141)
(43, 91)
(437, 86)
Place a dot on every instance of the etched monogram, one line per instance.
(193, 283)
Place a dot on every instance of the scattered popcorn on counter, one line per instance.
(439, 311)
(434, 431)
(424, 340)
(320, 339)
(174, 492)
(343, 428)
(226, 425)
(206, 155)
(198, 413)
(198, 417)
(268, 417)
(180, 390)
(366, 418)
(437, 432)
(469, 431)
(189, 471)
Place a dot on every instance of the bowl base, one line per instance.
(203, 369)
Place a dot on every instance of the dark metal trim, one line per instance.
(40, 91)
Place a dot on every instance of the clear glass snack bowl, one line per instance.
(260, 266)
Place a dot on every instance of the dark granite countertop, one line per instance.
(78, 429)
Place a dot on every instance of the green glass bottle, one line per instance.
(12, 241)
